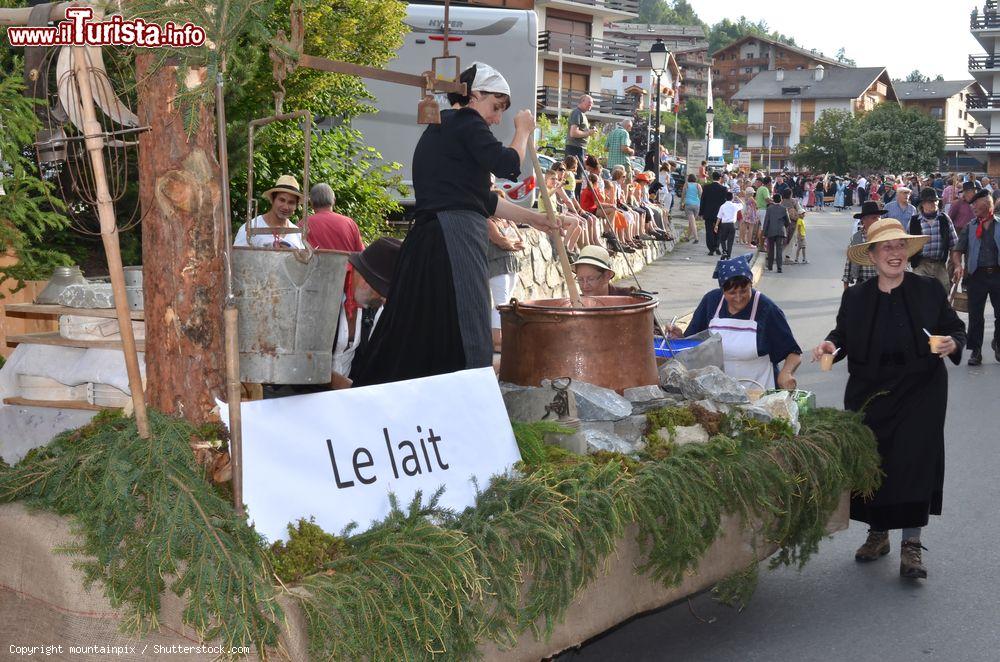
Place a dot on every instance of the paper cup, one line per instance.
(826, 362)
(935, 342)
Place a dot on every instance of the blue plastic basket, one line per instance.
(667, 348)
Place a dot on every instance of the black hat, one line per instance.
(377, 263)
(929, 194)
(870, 208)
(971, 186)
(980, 194)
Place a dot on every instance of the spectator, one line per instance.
(619, 145)
(692, 202)
(900, 208)
(503, 263)
(579, 131)
(775, 230)
(285, 197)
(712, 198)
(960, 210)
(328, 229)
(726, 225)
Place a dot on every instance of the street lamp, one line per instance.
(658, 58)
(709, 117)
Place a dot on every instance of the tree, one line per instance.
(824, 148)
(916, 77)
(841, 57)
(894, 139)
(725, 32)
(678, 12)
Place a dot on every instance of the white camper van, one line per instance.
(504, 38)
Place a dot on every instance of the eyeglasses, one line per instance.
(735, 283)
(590, 280)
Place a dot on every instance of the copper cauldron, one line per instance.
(608, 342)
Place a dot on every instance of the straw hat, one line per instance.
(285, 184)
(595, 256)
(885, 229)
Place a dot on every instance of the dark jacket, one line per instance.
(944, 227)
(927, 303)
(776, 221)
(712, 198)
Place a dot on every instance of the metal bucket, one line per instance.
(607, 342)
(287, 314)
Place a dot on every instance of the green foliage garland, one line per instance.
(427, 582)
(145, 511)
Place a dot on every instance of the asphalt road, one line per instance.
(834, 608)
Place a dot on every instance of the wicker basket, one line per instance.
(958, 299)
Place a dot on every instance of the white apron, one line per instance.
(739, 347)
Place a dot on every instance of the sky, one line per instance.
(929, 35)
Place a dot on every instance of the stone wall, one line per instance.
(540, 277)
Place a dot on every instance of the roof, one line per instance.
(938, 89)
(847, 83)
(795, 49)
(642, 62)
(657, 29)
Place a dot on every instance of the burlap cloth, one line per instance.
(43, 603)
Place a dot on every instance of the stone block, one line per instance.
(545, 247)
(690, 434)
(781, 405)
(574, 443)
(596, 403)
(710, 383)
(631, 428)
(598, 440)
(89, 295)
(527, 403)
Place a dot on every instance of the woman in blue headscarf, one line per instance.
(757, 343)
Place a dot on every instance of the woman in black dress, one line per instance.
(437, 315)
(899, 384)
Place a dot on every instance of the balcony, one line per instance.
(746, 128)
(977, 62)
(613, 8)
(988, 102)
(954, 143)
(983, 143)
(609, 105)
(621, 54)
(754, 62)
(989, 19)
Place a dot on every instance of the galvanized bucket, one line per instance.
(287, 313)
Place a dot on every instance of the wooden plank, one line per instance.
(52, 309)
(56, 404)
(55, 339)
(31, 323)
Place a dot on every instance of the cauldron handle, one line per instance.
(520, 321)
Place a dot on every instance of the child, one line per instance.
(800, 239)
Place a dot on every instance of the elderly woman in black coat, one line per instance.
(898, 379)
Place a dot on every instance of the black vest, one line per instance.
(917, 229)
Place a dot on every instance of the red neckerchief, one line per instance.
(979, 227)
(350, 305)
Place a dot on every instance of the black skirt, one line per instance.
(434, 320)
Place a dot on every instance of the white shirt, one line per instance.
(728, 211)
(863, 183)
(344, 348)
(267, 240)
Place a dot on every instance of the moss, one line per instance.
(309, 549)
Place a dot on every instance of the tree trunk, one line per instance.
(182, 251)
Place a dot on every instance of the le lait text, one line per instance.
(405, 458)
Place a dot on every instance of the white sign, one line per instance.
(744, 159)
(697, 152)
(337, 455)
(715, 148)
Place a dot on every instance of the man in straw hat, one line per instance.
(933, 259)
(285, 197)
(978, 243)
(894, 330)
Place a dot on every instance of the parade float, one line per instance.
(631, 489)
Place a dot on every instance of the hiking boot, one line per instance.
(874, 548)
(910, 563)
(976, 358)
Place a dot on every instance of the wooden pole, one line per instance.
(109, 235)
(230, 313)
(567, 270)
